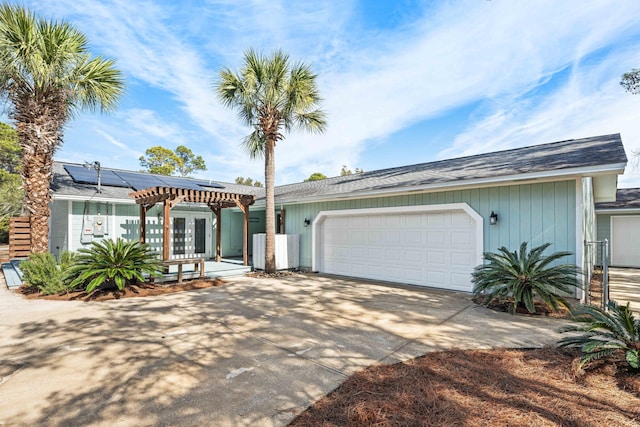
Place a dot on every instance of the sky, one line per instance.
(402, 81)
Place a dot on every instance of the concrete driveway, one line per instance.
(254, 352)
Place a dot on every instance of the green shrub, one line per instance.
(41, 271)
(66, 260)
(110, 264)
(521, 277)
(605, 334)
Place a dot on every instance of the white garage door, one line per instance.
(436, 247)
(625, 241)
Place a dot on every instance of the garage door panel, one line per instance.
(461, 238)
(413, 238)
(413, 256)
(435, 238)
(461, 259)
(435, 218)
(436, 257)
(625, 241)
(423, 248)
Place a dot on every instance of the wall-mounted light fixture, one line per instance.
(493, 218)
(307, 221)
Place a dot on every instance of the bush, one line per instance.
(522, 277)
(109, 264)
(41, 271)
(605, 334)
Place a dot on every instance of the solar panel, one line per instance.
(185, 183)
(84, 175)
(207, 183)
(81, 174)
(109, 177)
(136, 180)
(140, 181)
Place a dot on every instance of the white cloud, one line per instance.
(497, 53)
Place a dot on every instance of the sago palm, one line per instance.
(47, 73)
(113, 264)
(522, 276)
(605, 334)
(271, 96)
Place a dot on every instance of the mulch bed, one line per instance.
(542, 309)
(535, 387)
(133, 291)
(263, 275)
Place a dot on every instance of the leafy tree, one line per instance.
(271, 96)
(248, 181)
(162, 161)
(9, 149)
(159, 160)
(631, 81)
(47, 73)
(345, 171)
(188, 162)
(113, 264)
(605, 334)
(316, 176)
(11, 193)
(521, 276)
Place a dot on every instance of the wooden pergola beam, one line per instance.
(171, 196)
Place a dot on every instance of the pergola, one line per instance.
(215, 200)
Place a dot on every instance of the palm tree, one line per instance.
(47, 73)
(271, 95)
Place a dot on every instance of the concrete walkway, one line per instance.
(254, 352)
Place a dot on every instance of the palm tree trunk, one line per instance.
(270, 214)
(39, 128)
(36, 176)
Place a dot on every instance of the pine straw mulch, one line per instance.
(132, 291)
(534, 387)
(542, 309)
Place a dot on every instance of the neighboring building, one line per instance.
(426, 224)
(619, 223)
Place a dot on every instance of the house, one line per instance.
(425, 224)
(619, 223)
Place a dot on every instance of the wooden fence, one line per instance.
(19, 237)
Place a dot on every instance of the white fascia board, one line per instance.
(93, 199)
(526, 178)
(618, 211)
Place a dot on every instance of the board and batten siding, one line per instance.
(59, 227)
(535, 213)
(232, 223)
(121, 221)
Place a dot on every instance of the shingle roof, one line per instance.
(563, 157)
(626, 198)
(557, 156)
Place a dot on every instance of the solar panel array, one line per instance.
(135, 180)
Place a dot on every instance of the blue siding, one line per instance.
(536, 213)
